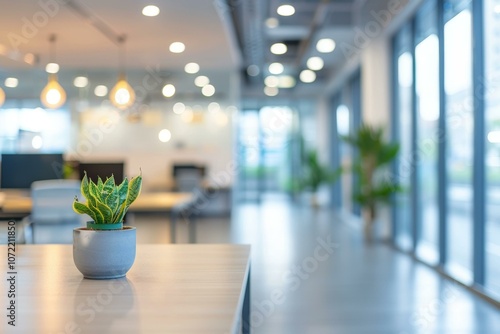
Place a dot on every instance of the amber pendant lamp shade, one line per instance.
(122, 95)
(53, 95)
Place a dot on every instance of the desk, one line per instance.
(170, 289)
(15, 205)
(19, 203)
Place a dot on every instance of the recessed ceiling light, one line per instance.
(11, 82)
(496, 9)
(271, 91)
(315, 63)
(208, 90)
(192, 68)
(253, 70)
(278, 48)
(276, 68)
(272, 22)
(177, 47)
(271, 81)
(164, 135)
(52, 68)
(307, 76)
(325, 45)
(286, 81)
(150, 10)
(168, 90)
(81, 82)
(286, 10)
(201, 81)
(101, 91)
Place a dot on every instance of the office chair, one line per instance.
(52, 217)
(188, 180)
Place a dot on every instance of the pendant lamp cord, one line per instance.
(122, 53)
(52, 48)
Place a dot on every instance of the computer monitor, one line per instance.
(178, 168)
(102, 170)
(18, 171)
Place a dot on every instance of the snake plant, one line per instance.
(107, 202)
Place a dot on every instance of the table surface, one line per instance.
(17, 202)
(170, 289)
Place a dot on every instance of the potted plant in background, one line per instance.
(105, 248)
(374, 153)
(315, 174)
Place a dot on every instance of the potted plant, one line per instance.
(316, 174)
(374, 153)
(105, 248)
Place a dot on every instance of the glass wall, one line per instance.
(29, 130)
(427, 107)
(403, 134)
(492, 139)
(459, 135)
(454, 48)
(346, 111)
(264, 150)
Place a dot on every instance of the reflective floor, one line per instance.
(312, 273)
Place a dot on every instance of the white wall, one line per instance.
(106, 134)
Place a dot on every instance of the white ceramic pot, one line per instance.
(104, 254)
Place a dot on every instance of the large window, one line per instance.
(29, 130)
(403, 134)
(492, 139)
(427, 105)
(264, 150)
(346, 111)
(455, 174)
(459, 136)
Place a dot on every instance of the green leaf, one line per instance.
(374, 153)
(108, 186)
(100, 185)
(107, 202)
(105, 211)
(122, 193)
(123, 190)
(112, 201)
(134, 189)
(85, 187)
(82, 209)
(121, 213)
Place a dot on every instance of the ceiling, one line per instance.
(87, 43)
(87, 32)
(223, 36)
(312, 21)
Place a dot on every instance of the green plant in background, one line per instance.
(374, 153)
(107, 203)
(316, 174)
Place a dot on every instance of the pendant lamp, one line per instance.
(53, 95)
(122, 95)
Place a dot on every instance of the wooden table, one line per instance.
(170, 289)
(20, 203)
(16, 205)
